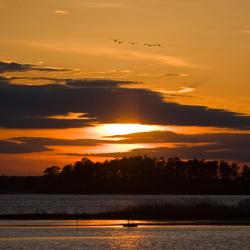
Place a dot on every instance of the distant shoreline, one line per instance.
(87, 221)
(156, 220)
(203, 210)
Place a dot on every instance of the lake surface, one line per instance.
(109, 234)
(115, 237)
(30, 204)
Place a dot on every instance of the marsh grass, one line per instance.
(190, 210)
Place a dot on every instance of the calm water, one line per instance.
(96, 234)
(168, 237)
(23, 204)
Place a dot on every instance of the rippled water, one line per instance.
(23, 204)
(110, 234)
(168, 237)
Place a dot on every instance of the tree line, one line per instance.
(136, 175)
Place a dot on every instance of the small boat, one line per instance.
(130, 224)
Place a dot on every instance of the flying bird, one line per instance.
(152, 45)
(117, 41)
(147, 44)
(134, 43)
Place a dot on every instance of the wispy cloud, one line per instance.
(174, 74)
(103, 49)
(160, 58)
(181, 90)
(61, 12)
(185, 90)
(118, 53)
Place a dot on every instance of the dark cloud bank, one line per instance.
(18, 67)
(184, 152)
(230, 146)
(20, 145)
(104, 101)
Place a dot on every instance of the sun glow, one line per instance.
(123, 129)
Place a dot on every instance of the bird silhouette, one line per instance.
(147, 44)
(152, 45)
(134, 43)
(117, 41)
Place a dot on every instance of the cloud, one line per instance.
(229, 146)
(61, 12)
(162, 59)
(33, 121)
(116, 52)
(21, 145)
(4, 80)
(19, 67)
(186, 152)
(185, 90)
(174, 74)
(103, 101)
(11, 147)
(232, 140)
(94, 83)
(178, 92)
(43, 141)
(12, 66)
(34, 79)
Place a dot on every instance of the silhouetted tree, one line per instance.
(246, 173)
(66, 171)
(52, 171)
(138, 174)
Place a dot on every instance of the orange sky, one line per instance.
(196, 82)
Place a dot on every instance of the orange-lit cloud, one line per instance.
(61, 12)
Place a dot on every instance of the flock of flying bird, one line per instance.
(135, 43)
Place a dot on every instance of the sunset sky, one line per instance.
(74, 84)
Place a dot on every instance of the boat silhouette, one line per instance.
(130, 224)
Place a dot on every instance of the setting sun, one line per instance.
(123, 129)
